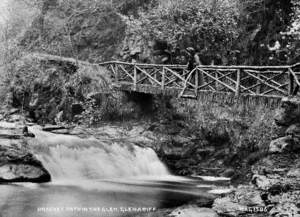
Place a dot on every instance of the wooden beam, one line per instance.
(265, 82)
(146, 73)
(295, 76)
(218, 80)
(127, 73)
(204, 85)
(163, 78)
(178, 76)
(145, 77)
(271, 90)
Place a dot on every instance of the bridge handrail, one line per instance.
(203, 66)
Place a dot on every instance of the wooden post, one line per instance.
(216, 83)
(196, 82)
(258, 88)
(238, 83)
(115, 72)
(163, 79)
(291, 83)
(134, 77)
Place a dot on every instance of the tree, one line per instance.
(292, 35)
(262, 22)
(210, 26)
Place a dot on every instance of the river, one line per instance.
(91, 178)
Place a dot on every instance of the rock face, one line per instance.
(276, 177)
(288, 117)
(289, 112)
(237, 203)
(17, 164)
(281, 145)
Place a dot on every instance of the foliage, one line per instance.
(292, 35)
(262, 22)
(209, 26)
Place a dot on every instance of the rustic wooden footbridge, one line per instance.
(260, 81)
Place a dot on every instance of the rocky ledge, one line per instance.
(17, 163)
(275, 186)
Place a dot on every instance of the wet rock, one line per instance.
(248, 196)
(289, 112)
(276, 184)
(228, 172)
(282, 144)
(26, 133)
(293, 131)
(238, 202)
(193, 211)
(18, 165)
(23, 173)
(225, 206)
(285, 209)
(288, 197)
(263, 182)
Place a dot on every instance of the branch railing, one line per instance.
(266, 81)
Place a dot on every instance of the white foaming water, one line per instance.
(69, 158)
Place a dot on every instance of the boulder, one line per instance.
(193, 211)
(293, 130)
(248, 196)
(228, 172)
(276, 184)
(289, 112)
(238, 202)
(18, 172)
(281, 145)
(226, 207)
(17, 164)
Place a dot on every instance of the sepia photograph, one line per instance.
(149, 108)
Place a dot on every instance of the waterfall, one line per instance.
(72, 158)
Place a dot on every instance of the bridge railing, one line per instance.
(266, 81)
